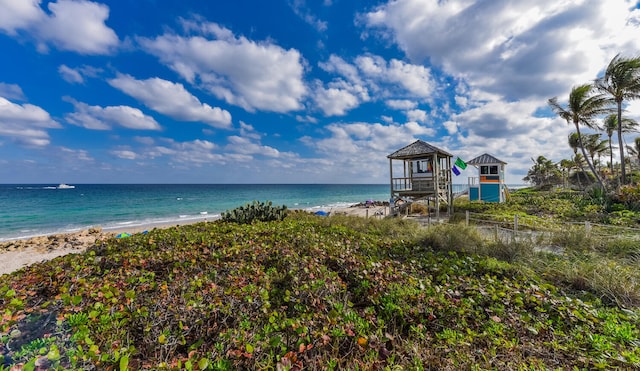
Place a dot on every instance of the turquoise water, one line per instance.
(32, 210)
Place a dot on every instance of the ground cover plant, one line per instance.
(601, 259)
(305, 292)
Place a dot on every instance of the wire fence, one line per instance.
(520, 229)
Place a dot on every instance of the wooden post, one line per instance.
(515, 223)
(467, 218)
(587, 228)
(391, 185)
(436, 180)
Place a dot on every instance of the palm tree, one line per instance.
(543, 172)
(578, 159)
(566, 166)
(582, 108)
(611, 126)
(635, 150)
(595, 146)
(621, 81)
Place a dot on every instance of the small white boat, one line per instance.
(65, 186)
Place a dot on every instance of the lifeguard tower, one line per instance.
(489, 186)
(426, 175)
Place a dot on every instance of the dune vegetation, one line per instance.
(309, 292)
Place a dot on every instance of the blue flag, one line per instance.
(455, 170)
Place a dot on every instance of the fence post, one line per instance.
(467, 218)
(587, 228)
(496, 233)
(515, 223)
(366, 216)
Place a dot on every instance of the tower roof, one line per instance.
(417, 149)
(485, 159)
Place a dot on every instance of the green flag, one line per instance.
(461, 164)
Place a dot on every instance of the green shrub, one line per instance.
(574, 239)
(453, 237)
(260, 211)
(509, 251)
(621, 247)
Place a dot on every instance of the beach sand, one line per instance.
(17, 254)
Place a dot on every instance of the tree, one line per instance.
(594, 146)
(621, 81)
(635, 150)
(566, 166)
(574, 143)
(578, 160)
(583, 107)
(543, 173)
(611, 126)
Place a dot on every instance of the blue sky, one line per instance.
(290, 91)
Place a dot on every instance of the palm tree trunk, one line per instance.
(611, 157)
(622, 164)
(586, 158)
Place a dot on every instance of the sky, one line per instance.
(291, 91)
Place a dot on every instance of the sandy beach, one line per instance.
(17, 254)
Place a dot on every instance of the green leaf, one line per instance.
(249, 348)
(124, 363)
(54, 353)
(30, 366)
(203, 364)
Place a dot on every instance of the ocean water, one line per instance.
(34, 210)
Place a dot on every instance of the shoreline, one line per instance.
(18, 253)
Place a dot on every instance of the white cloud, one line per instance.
(417, 115)
(451, 126)
(70, 75)
(493, 128)
(414, 79)
(358, 150)
(299, 7)
(11, 91)
(506, 66)
(74, 154)
(339, 66)
(192, 153)
(524, 49)
(335, 101)
(245, 146)
(255, 76)
(306, 118)
(73, 25)
(77, 75)
(25, 124)
(401, 104)
(371, 77)
(368, 140)
(124, 154)
(248, 131)
(172, 99)
(104, 118)
(15, 15)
